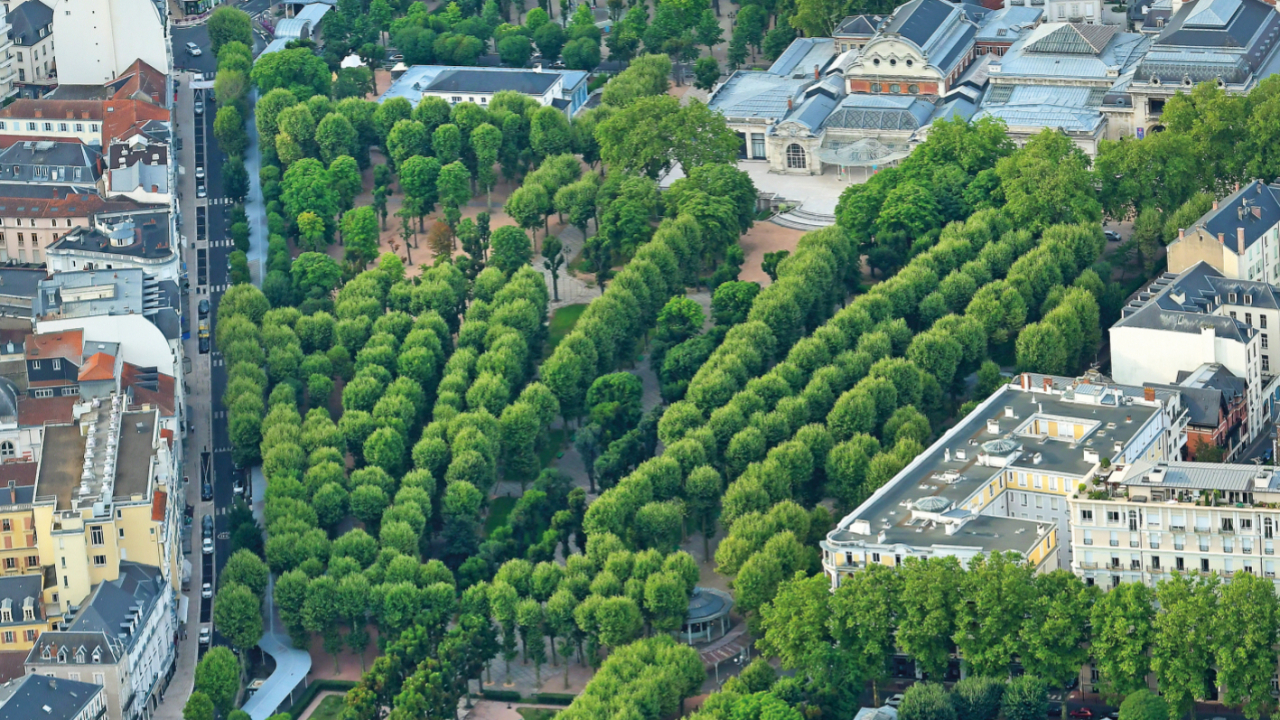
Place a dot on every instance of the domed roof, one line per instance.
(1003, 446)
(708, 604)
(932, 504)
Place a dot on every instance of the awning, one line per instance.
(862, 153)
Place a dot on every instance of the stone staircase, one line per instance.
(800, 219)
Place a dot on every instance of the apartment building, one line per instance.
(142, 240)
(35, 696)
(1196, 318)
(32, 33)
(29, 225)
(999, 480)
(105, 38)
(1238, 237)
(1148, 519)
(98, 657)
(22, 614)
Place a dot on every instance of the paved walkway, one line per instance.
(292, 665)
(524, 681)
(254, 207)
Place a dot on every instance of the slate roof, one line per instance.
(1069, 108)
(50, 161)
(1184, 303)
(1006, 24)
(1071, 38)
(919, 20)
(109, 607)
(529, 82)
(53, 109)
(39, 696)
(755, 95)
(150, 238)
(8, 406)
(1217, 23)
(108, 647)
(16, 590)
(27, 19)
(1254, 207)
(1058, 50)
(1204, 405)
(858, 26)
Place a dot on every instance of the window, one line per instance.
(1262, 319)
(456, 98)
(30, 635)
(57, 363)
(70, 390)
(1266, 363)
(6, 523)
(757, 145)
(1086, 516)
(795, 157)
(1264, 335)
(99, 560)
(120, 533)
(913, 89)
(34, 561)
(96, 535)
(48, 127)
(1248, 318)
(1204, 565)
(79, 127)
(93, 127)
(895, 87)
(875, 87)
(62, 127)
(98, 678)
(9, 637)
(1231, 297)
(10, 563)
(1113, 516)
(42, 392)
(1233, 314)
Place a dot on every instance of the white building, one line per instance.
(1198, 318)
(1148, 520)
(32, 35)
(7, 72)
(143, 240)
(103, 38)
(999, 480)
(564, 89)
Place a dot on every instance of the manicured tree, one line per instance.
(510, 249)
(1026, 698)
(218, 677)
(344, 176)
(1055, 629)
(406, 139)
(1183, 652)
(925, 628)
(418, 179)
(227, 24)
(446, 143)
(486, 141)
(553, 260)
(1123, 629)
(978, 698)
(360, 235)
(1144, 705)
(928, 701)
(529, 617)
(237, 612)
(529, 206)
(454, 189)
(198, 707)
(228, 130)
(1244, 634)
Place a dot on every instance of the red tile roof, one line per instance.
(99, 366)
(139, 81)
(163, 397)
(167, 434)
(122, 118)
(77, 205)
(50, 109)
(35, 412)
(158, 500)
(67, 344)
(8, 140)
(22, 474)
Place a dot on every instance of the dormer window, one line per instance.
(62, 656)
(1248, 299)
(80, 657)
(46, 654)
(1231, 297)
(97, 656)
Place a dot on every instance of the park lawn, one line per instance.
(562, 322)
(536, 713)
(330, 708)
(499, 510)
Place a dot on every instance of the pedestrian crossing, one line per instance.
(222, 243)
(220, 201)
(219, 288)
(217, 362)
(219, 414)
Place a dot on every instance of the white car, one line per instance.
(208, 546)
(894, 700)
(194, 50)
(199, 108)
(201, 191)
(206, 591)
(205, 635)
(199, 172)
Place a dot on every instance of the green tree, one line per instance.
(510, 249)
(995, 596)
(1123, 631)
(454, 188)
(930, 589)
(553, 260)
(549, 132)
(515, 50)
(928, 701)
(707, 71)
(245, 568)
(419, 177)
(335, 136)
(1182, 653)
(1145, 705)
(486, 142)
(796, 624)
(1244, 637)
(228, 130)
(1055, 628)
(237, 613)
(978, 698)
(1026, 698)
(360, 235)
(311, 231)
(198, 707)
(227, 24)
(218, 677)
(581, 54)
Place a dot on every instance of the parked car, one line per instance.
(204, 346)
(206, 591)
(199, 108)
(894, 700)
(238, 486)
(1054, 711)
(199, 172)
(206, 526)
(1083, 713)
(194, 50)
(206, 490)
(205, 635)
(201, 191)
(204, 308)
(207, 546)
(1111, 235)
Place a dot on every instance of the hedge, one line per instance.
(315, 688)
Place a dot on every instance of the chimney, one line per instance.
(1237, 186)
(815, 72)
(1048, 384)
(1240, 240)
(1257, 212)
(1182, 233)
(1149, 394)
(788, 104)
(1215, 204)
(1221, 239)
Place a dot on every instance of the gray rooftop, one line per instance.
(38, 696)
(802, 56)
(119, 607)
(882, 112)
(1067, 108)
(48, 645)
(88, 293)
(28, 19)
(16, 591)
(1200, 476)
(858, 26)
(1084, 52)
(942, 479)
(47, 161)
(419, 78)
(1254, 207)
(135, 234)
(1188, 303)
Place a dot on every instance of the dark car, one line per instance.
(1054, 711)
(204, 346)
(206, 525)
(203, 308)
(206, 490)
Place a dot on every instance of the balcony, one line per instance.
(1088, 541)
(1135, 543)
(1089, 565)
(1178, 528)
(1154, 545)
(1179, 547)
(1115, 543)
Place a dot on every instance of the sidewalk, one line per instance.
(254, 207)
